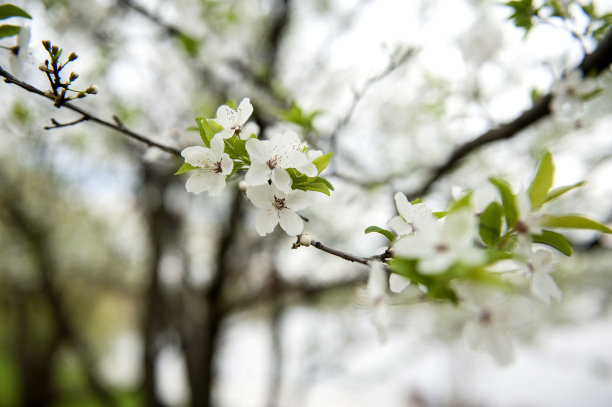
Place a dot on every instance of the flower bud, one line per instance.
(46, 44)
(92, 89)
(72, 56)
(73, 76)
(305, 240)
(81, 95)
(49, 94)
(54, 49)
(243, 185)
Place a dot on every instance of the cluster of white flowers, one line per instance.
(269, 183)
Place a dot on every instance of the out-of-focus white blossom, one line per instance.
(492, 317)
(20, 52)
(411, 217)
(569, 92)
(542, 285)
(439, 245)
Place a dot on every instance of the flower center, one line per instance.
(485, 317)
(441, 248)
(272, 162)
(522, 227)
(279, 203)
(217, 167)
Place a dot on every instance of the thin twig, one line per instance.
(57, 125)
(8, 78)
(343, 255)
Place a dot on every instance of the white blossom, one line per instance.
(213, 167)
(542, 285)
(440, 245)
(271, 158)
(411, 217)
(249, 129)
(276, 207)
(568, 92)
(232, 120)
(493, 316)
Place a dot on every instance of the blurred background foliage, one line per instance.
(119, 288)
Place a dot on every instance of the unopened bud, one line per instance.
(73, 76)
(92, 89)
(305, 240)
(49, 94)
(46, 44)
(243, 185)
(72, 56)
(44, 68)
(81, 95)
(54, 49)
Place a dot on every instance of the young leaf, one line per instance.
(7, 30)
(553, 239)
(386, 233)
(9, 10)
(491, 224)
(557, 192)
(322, 162)
(542, 181)
(184, 168)
(508, 201)
(461, 203)
(573, 222)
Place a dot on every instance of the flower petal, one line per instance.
(282, 180)
(226, 117)
(257, 174)
(261, 196)
(197, 155)
(291, 222)
(199, 181)
(244, 111)
(266, 220)
(297, 200)
(259, 150)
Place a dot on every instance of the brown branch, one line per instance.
(8, 78)
(57, 125)
(343, 255)
(592, 64)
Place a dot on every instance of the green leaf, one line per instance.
(208, 128)
(9, 10)
(557, 192)
(189, 43)
(508, 201)
(184, 168)
(573, 222)
(296, 115)
(386, 233)
(553, 239)
(7, 30)
(322, 162)
(440, 214)
(491, 224)
(461, 203)
(523, 13)
(542, 181)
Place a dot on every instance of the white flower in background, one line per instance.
(233, 120)
(213, 166)
(276, 207)
(271, 158)
(249, 129)
(440, 245)
(542, 285)
(378, 283)
(527, 224)
(20, 51)
(568, 92)
(493, 316)
(411, 217)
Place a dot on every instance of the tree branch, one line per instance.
(10, 79)
(592, 64)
